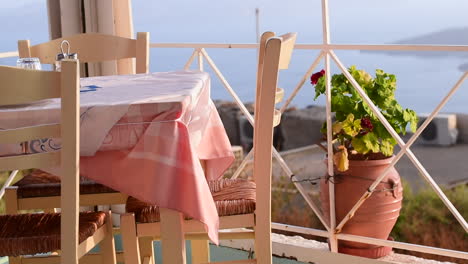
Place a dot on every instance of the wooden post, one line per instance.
(142, 52)
(53, 12)
(94, 68)
(200, 251)
(70, 161)
(105, 25)
(124, 28)
(201, 248)
(129, 239)
(70, 17)
(24, 50)
(172, 237)
(113, 17)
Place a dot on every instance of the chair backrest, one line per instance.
(274, 54)
(22, 86)
(93, 47)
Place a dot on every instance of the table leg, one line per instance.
(200, 251)
(172, 237)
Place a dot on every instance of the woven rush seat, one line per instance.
(39, 183)
(231, 196)
(27, 234)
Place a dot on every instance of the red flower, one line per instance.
(366, 123)
(316, 76)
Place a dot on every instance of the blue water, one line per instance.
(422, 80)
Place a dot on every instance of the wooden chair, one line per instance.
(72, 233)
(93, 47)
(240, 203)
(39, 189)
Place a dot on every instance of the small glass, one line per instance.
(29, 63)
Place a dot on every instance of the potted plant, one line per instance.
(363, 149)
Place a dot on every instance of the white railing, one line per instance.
(8, 54)
(333, 232)
(333, 229)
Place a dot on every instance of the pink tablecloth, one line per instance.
(144, 135)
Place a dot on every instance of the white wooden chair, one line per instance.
(29, 234)
(240, 203)
(39, 189)
(93, 47)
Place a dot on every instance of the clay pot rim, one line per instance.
(379, 162)
(367, 163)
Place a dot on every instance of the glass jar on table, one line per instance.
(29, 63)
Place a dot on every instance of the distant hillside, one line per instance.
(463, 67)
(451, 36)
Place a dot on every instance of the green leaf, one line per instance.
(386, 147)
(359, 145)
(414, 125)
(319, 88)
(349, 108)
(372, 142)
(367, 143)
(392, 141)
(413, 121)
(352, 127)
(337, 127)
(407, 116)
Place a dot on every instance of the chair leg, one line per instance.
(14, 260)
(129, 239)
(11, 200)
(263, 247)
(172, 237)
(200, 251)
(146, 250)
(108, 244)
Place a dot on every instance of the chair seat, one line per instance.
(39, 183)
(232, 197)
(27, 234)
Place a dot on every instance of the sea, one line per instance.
(423, 78)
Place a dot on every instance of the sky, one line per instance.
(233, 21)
(363, 21)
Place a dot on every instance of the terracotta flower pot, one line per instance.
(377, 215)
